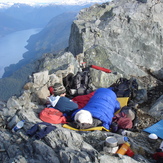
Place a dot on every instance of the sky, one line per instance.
(45, 1)
(29, 1)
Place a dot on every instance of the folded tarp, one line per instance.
(157, 129)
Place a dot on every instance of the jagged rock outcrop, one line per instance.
(124, 35)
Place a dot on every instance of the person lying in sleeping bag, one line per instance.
(102, 106)
(59, 101)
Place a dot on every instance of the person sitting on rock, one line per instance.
(102, 106)
(60, 102)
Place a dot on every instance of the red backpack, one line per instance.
(51, 115)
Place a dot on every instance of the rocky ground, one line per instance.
(138, 139)
(145, 120)
(68, 145)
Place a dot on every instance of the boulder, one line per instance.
(157, 109)
(121, 35)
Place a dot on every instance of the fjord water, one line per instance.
(12, 47)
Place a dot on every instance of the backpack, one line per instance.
(79, 83)
(68, 82)
(51, 115)
(126, 88)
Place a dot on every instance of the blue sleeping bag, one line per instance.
(102, 105)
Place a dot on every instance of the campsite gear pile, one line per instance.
(78, 86)
(78, 89)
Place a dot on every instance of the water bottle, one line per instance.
(123, 149)
(18, 126)
(125, 132)
(114, 127)
(122, 139)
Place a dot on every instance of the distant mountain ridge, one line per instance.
(63, 2)
(9, 24)
(35, 15)
(26, 16)
(53, 38)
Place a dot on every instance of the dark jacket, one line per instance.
(66, 105)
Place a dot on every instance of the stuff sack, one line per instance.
(126, 88)
(68, 83)
(129, 111)
(123, 121)
(51, 115)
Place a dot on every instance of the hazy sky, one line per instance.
(42, 1)
(30, 1)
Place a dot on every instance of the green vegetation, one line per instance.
(13, 85)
